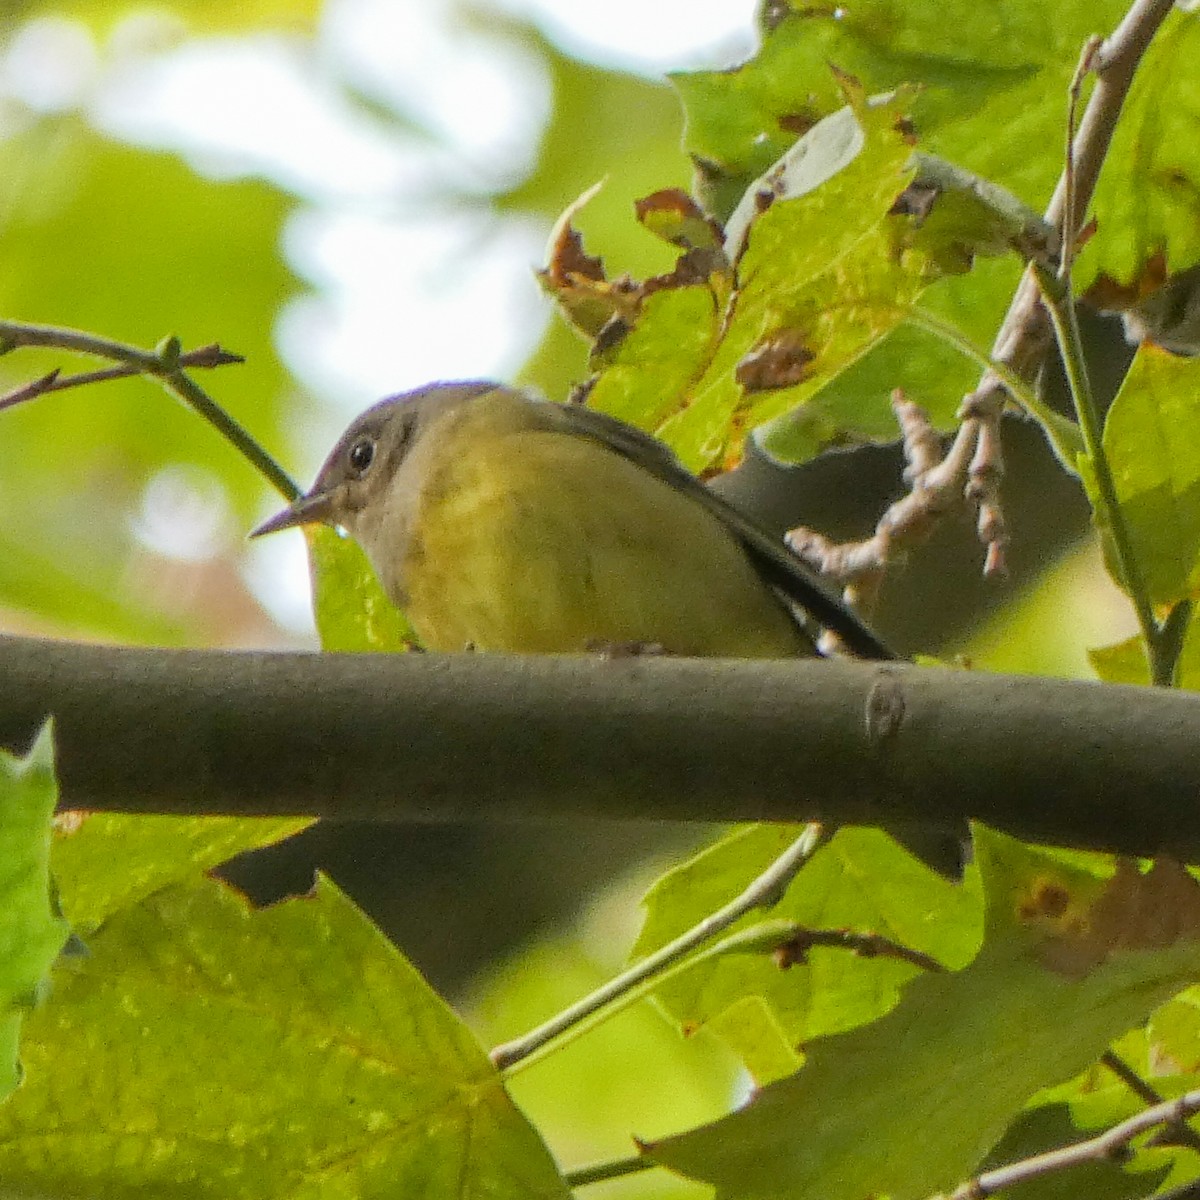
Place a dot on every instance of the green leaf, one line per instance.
(350, 606)
(993, 84)
(764, 1012)
(1147, 196)
(633, 157)
(657, 359)
(978, 70)
(1068, 963)
(1152, 441)
(589, 1099)
(31, 930)
(206, 1049)
(993, 98)
(823, 273)
(1174, 1033)
(106, 862)
(1124, 662)
(928, 369)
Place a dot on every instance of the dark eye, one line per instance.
(362, 454)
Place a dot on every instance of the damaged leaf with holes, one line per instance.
(826, 255)
(1073, 955)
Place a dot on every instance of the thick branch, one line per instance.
(492, 737)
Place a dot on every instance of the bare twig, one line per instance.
(166, 364)
(206, 356)
(630, 985)
(612, 1169)
(936, 487)
(1069, 228)
(973, 466)
(1178, 1133)
(31, 390)
(794, 950)
(1109, 1146)
(1024, 336)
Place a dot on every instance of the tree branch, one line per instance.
(1024, 337)
(54, 381)
(649, 972)
(496, 737)
(165, 364)
(1107, 1147)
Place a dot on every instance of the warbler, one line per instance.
(501, 521)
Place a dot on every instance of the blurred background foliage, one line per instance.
(353, 196)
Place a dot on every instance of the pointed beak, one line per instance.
(312, 509)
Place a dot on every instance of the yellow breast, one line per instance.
(545, 542)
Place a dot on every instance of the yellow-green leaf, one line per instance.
(105, 862)
(208, 1049)
(1068, 963)
(31, 931)
(351, 609)
(834, 991)
(1152, 441)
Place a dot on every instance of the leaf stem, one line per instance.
(601, 1172)
(1056, 296)
(764, 891)
(166, 365)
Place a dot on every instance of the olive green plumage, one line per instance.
(501, 521)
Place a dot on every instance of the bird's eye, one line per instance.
(362, 454)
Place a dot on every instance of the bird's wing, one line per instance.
(781, 567)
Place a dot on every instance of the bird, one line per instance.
(498, 520)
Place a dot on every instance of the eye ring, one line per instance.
(361, 456)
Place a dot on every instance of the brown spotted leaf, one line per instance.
(994, 1033)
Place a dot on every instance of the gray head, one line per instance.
(361, 467)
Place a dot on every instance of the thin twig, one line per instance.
(1130, 1078)
(1181, 1134)
(195, 397)
(794, 949)
(601, 1172)
(1024, 336)
(1022, 340)
(31, 390)
(166, 364)
(1108, 1146)
(55, 381)
(763, 892)
(972, 468)
(1070, 224)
